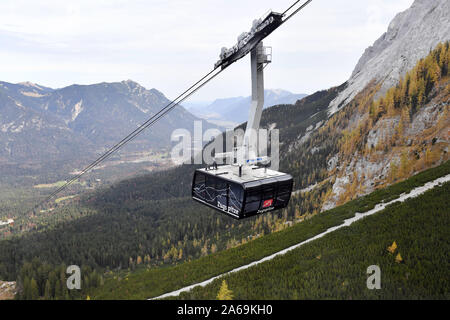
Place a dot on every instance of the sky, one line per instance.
(169, 44)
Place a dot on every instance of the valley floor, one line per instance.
(19, 194)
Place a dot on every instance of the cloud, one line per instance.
(169, 44)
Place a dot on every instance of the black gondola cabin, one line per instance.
(242, 196)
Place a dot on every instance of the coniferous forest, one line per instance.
(144, 236)
(335, 266)
(152, 282)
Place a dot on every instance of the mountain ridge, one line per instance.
(235, 109)
(90, 117)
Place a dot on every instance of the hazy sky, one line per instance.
(168, 44)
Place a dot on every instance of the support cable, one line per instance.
(297, 10)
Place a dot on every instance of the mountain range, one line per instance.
(383, 132)
(235, 110)
(38, 124)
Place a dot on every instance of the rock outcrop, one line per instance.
(411, 35)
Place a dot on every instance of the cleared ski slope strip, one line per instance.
(404, 196)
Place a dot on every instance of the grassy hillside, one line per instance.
(152, 282)
(335, 266)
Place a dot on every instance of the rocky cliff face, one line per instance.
(410, 36)
(362, 147)
(391, 138)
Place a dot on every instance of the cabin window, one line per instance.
(199, 186)
(285, 188)
(222, 193)
(210, 190)
(268, 192)
(236, 195)
(252, 200)
(283, 199)
(284, 193)
(254, 195)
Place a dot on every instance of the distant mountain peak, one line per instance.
(279, 92)
(33, 85)
(235, 109)
(28, 84)
(132, 84)
(81, 117)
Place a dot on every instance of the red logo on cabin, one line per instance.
(267, 203)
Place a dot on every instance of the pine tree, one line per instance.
(34, 292)
(48, 290)
(53, 279)
(224, 292)
(58, 290)
(86, 283)
(26, 292)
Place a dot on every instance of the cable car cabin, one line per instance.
(240, 197)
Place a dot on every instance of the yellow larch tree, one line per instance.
(224, 292)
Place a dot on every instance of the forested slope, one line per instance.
(156, 281)
(335, 266)
(153, 215)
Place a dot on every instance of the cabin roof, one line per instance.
(253, 173)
